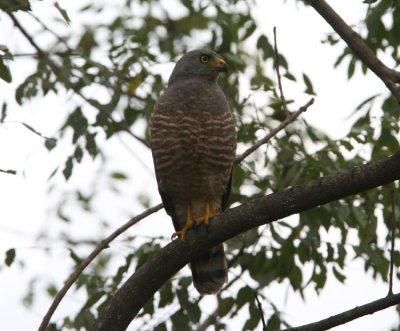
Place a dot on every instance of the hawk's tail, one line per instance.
(210, 271)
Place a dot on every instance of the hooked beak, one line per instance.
(219, 64)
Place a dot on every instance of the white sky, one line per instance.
(26, 203)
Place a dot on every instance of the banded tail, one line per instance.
(210, 271)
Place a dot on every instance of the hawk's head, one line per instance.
(199, 63)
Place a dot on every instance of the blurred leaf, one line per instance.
(14, 5)
(339, 276)
(63, 12)
(5, 73)
(309, 86)
(274, 323)
(68, 168)
(10, 257)
(118, 175)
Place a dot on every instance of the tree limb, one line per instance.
(289, 119)
(389, 76)
(350, 315)
(142, 285)
(78, 270)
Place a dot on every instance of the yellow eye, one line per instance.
(204, 58)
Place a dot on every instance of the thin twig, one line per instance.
(9, 171)
(393, 237)
(26, 34)
(278, 74)
(78, 270)
(349, 315)
(274, 131)
(259, 306)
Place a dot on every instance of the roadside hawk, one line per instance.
(193, 141)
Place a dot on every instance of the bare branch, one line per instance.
(278, 74)
(102, 245)
(9, 171)
(141, 286)
(393, 238)
(350, 315)
(273, 132)
(389, 76)
(259, 306)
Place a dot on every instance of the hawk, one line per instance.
(193, 141)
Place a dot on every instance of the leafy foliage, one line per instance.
(117, 57)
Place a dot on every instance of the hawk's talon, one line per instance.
(189, 223)
(208, 215)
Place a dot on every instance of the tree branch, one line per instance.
(393, 238)
(278, 74)
(9, 171)
(289, 119)
(389, 76)
(78, 270)
(141, 286)
(350, 315)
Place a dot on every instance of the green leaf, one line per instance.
(50, 143)
(264, 45)
(118, 175)
(296, 277)
(78, 154)
(67, 172)
(10, 257)
(309, 86)
(51, 290)
(166, 295)
(14, 5)
(63, 12)
(339, 276)
(274, 323)
(224, 306)
(254, 316)
(5, 73)
(75, 257)
(180, 321)
(160, 327)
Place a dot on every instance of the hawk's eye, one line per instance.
(204, 58)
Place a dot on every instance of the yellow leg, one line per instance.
(208, 215)
(189, 223)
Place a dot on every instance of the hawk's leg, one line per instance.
(208, 214)
(188, 224)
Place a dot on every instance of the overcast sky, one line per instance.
(26, 204)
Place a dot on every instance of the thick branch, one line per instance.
(389, 76)
(79, 269)
(141, 286)
(350, 315)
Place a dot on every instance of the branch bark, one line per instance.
(350, 315)
(141, 286)
(390, 77)
(82, 266)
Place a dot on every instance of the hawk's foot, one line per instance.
(189, 223)
(208, 215)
